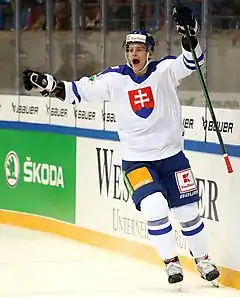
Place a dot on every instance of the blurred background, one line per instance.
(73, 38)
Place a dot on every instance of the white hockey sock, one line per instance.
(194, 233)
(162, 237)
(155, 209)
(192, 228)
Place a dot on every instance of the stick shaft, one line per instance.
(208, 100)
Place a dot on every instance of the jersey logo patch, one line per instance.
(142, 101)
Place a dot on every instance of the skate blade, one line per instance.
(215, 283)
(178, 287)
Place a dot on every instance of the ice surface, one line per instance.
(42, 265)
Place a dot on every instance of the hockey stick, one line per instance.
(208, 100)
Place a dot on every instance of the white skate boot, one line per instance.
(174, 270)
(207, 270)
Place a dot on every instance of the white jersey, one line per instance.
(147, 108)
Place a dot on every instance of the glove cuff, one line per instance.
(186, 45)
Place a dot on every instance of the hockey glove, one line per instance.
(38, 80)
(183, 16)
(45, 83)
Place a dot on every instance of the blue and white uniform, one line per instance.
(147, 107)
(148, 115)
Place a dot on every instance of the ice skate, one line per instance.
(174, 272)
(208, 270)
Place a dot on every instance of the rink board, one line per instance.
(94, 206)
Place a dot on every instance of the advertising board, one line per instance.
(38, 174)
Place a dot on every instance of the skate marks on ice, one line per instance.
(34, 264)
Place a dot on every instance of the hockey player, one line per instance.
(148, 112)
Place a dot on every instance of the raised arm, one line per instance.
(184, 64)
(87, 89)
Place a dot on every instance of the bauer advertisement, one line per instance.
(38, 174)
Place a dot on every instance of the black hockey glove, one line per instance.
(183, 16)
(39, 81)
(45, 83)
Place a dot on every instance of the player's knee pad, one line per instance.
(155, 208)
(189, 218)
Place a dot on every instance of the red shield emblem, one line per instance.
(142, 101)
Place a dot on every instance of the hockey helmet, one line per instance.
(139, 36)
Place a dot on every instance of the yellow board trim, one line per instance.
(229, 277)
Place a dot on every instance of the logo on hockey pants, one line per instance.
(185, 181)
(139, 177)
(142, 101)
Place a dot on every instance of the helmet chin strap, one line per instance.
(144, 67)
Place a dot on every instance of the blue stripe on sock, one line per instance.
(75, 91)
(194, 231)
(160, 231)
